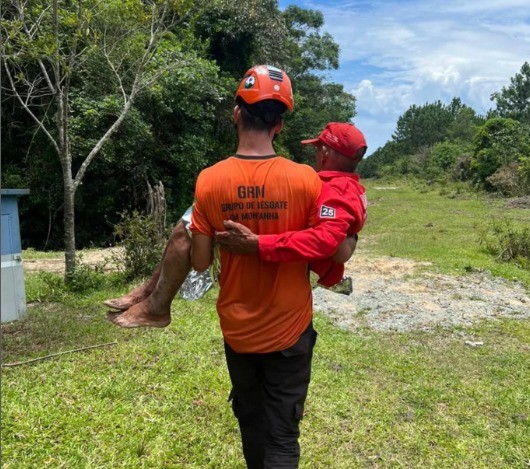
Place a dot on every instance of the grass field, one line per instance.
(444, 229)
(158, 398)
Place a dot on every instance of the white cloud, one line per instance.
(394, 54)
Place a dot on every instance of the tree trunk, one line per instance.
(69, 223)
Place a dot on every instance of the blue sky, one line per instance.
(397, 53)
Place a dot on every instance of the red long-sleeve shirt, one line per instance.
(341, 212)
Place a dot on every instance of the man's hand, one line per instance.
(237, 238)
(345, 250)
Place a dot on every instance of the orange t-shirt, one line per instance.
(263, 307)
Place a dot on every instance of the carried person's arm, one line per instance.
(332, 222)
(331, 271)
(339, 211)
(346, 249)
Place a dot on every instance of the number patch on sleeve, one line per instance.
(327, 212)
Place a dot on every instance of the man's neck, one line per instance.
(255, 144)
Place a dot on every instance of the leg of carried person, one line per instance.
(142, 291)
(155, 310)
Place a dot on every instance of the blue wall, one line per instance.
(10, 223)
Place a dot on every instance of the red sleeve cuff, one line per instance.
(330, 273)
(266, 246)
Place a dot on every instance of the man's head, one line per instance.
(339, 147)
(262, 97)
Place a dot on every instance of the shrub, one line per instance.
(142, 238)
(85, 277)
(443, 158)
(509, 181)
(508, 242)
(499, 143)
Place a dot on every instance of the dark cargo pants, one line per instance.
(268, 395)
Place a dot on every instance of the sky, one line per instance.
(397, 53)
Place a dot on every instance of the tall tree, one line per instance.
(422, 126)
(49, 50)
(307, 48)
(514, 101)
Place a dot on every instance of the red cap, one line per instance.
(342, 137)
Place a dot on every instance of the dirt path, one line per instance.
(395, 294)
(390, 294)
(93, 257)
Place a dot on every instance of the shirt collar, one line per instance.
(333, 174)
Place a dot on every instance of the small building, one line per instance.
(13, 292)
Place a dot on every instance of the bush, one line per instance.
(143, 238)
(48, 286)
(85, 278)
(508, 242)
(509, 181)
(499, 143)
(442, 159)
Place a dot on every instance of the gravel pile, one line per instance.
(391, 294)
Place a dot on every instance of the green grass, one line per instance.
(159, 397)
(31, 253)
(426, 226)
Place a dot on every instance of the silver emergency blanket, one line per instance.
(196, 284)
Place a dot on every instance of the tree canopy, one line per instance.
(142, 91)
(435, 141)
(514, 101)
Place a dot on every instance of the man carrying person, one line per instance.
(265, 308)
(341, 211)
(331, 242)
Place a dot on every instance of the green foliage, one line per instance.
(422, 126)
(514, 101)
(444, 155)
(180, 123)
(508, 242)
(431, 141)
(442, 160)
(499, 143)
(372, 166)
(85, 278)
(50, 287)
(308, 49)
(143, 239)
(238, 35)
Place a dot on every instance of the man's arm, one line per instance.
(319, 242)
(201, 252)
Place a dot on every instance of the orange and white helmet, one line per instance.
(266, 82)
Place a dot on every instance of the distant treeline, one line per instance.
(179, 123)
(451, 142)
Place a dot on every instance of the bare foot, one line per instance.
(140, 316)
(124, 302)
(132, 298)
